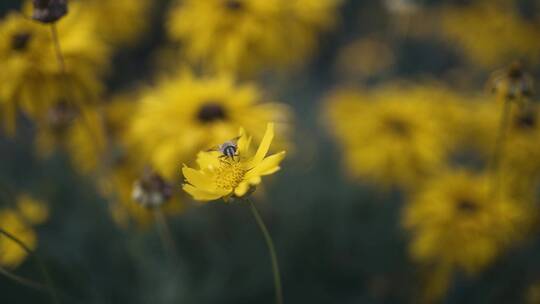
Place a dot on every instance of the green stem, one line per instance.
(45, 273)
(62, 64)
(57, 48)
(21, 280)
(498, 151)
(272, 250)
(165, 235)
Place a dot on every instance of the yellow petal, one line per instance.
(243, 144)
(207, 160)
(241, 189)
(265, 144)
(202, 195)
(197, 179)
(267, 166)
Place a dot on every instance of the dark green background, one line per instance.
(337, 241)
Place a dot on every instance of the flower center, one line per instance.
(526, 121)
(229, 174)
(19, 41)
(398, 126)
(467, 206)
(210, 112)
(234, 5)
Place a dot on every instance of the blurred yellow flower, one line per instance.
(222, 176)
(520, 152)
(18, 222)
(491, 34)
(249, 35)
(33, 211)
(31, 76)
(84, 138)
(118, 186)
(364, 58)
(533, 294)
(394, 135)
(120, 22)
(183, 115)
(455, 220)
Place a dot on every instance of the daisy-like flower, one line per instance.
(519, 153)
(490, 33)
(116, 30)
(19, 222)
(394, 136)
(249, 35)
(456, 221)
(224, 177)
(184, 115)
(33, 80)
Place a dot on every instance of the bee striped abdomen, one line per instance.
(230, 151)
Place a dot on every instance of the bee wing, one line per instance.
(214, 148)
(234, 140)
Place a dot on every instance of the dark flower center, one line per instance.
(234, 5)
(526, 121)
(398, 126)
(467, 206)
(515, 71)
(210, 112)
(61, 115)
(19, 41)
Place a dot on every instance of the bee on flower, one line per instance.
(234, 170)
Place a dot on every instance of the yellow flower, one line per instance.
(129, 21)
(519, 151)
(184, 115)
(456, 220)
(18, 222)
(364, 58)
(117, 186)
(33, 211)
(81, 134)
(395, 135)
(491, 34)
(249, 35)
(31, 76)
(223, 177)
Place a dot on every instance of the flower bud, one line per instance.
(49, 11)
(151, 190)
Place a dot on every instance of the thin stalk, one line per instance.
(57, 48)
(165, 235)
(23, 281)
(62, 64)
(498, 151)
(272, 250)
(45, 273)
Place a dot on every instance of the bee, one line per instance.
(228, 149)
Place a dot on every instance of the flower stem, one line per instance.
(57, 48)
(498, 151)
(21, 280)
(272, 250)
(62, 64)
(45, 273)
(165, 235)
